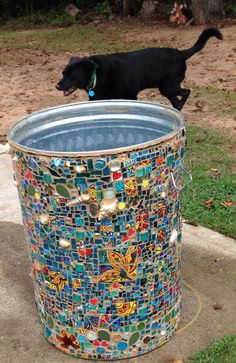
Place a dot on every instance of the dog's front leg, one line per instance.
(184, 93)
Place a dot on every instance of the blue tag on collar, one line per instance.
(91, 93)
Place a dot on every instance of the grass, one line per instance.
(86, 38)
(221, 351)
(226, 100)
(211, 159)
(74, 38)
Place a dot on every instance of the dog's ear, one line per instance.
(73, 59)
(88, 64)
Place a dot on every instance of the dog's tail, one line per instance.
(201, 42)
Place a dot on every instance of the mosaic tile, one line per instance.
(105, 237)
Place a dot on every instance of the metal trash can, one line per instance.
(100, 187)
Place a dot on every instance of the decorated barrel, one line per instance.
(100, 190)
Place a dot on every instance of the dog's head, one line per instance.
(77, 74)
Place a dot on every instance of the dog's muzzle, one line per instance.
(68, 91)
(58, 87)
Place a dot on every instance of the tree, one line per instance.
(29, 7)
(148, 8)
(204, 10)
(131, 7)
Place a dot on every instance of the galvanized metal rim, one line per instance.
(122, 150)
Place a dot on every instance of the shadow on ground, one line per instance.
(210, 274)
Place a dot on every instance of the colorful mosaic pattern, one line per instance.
(105, 237)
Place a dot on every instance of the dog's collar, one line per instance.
(92, 84)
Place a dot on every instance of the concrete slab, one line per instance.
(9, 203)
(208, 270)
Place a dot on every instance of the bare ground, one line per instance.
(28, 77)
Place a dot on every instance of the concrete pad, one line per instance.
(9, 203)
(208, 269)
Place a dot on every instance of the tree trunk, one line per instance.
(214, 8)
(204, 10)
(148, 8)
(115, 7)
(27, 9)
(130, 7)
(31, 7)
(126, 7)
(198, 10)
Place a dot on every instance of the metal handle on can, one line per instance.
(187, 182)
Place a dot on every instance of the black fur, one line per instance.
(124, 75)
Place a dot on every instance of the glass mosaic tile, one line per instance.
(105, 238)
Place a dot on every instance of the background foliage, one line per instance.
(52, 11)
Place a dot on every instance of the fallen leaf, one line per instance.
(192, 223)
(209, 203)
(215, 173)
(177, 361)
(200, 104)
(228, 203)
(217, 307)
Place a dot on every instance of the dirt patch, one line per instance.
(28, 77)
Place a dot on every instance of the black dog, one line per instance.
(124, 75)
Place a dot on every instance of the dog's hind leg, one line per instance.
(177, 97)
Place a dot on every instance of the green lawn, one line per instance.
(222, 102)
(209, 156)
(86, 38)
(221, 351)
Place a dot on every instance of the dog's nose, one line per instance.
(58, 86)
